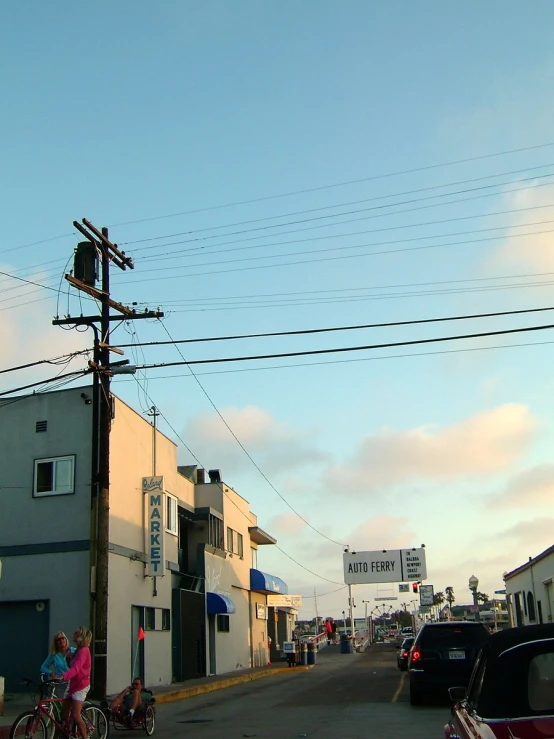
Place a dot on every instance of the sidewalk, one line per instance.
(16, 703)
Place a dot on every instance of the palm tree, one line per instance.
(438, 600)
(450, 598)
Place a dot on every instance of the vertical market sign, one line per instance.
(153, 488)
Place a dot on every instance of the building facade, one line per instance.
(530, 590)
(183, 549)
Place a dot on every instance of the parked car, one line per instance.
(442, 656)
(511, 689)
(406, 632)
(403, 653)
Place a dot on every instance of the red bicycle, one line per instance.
(44, 720)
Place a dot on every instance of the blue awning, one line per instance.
(218, 603)
(261, 582)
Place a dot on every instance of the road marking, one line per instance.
(399, 688)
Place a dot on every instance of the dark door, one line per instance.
(137, 645)
(188, 635)
(25, 623)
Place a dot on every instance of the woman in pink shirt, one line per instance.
(79, 679)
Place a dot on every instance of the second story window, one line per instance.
(215, 532)
(171, 514)
(234, 542)
(254, 558)
(54, 476)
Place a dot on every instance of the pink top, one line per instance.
(79, 672)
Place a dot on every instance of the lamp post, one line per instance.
(344, 621)
(473, 585)
(368, 630)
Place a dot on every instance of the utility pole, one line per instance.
(316, 613)
(84, 279)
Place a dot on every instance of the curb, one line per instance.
(184, 693)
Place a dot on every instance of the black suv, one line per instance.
(442, 656)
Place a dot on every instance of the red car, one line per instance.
(511, 691)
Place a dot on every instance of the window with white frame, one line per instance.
(230, 538)
(234, 542)
(54, 476)
(254, 555)
(171, 514)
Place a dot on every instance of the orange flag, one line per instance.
(140, 634)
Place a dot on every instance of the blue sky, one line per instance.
(130, 113)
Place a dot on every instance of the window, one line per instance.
(234, 542)
(166, 619)
(215, 532)
(223, 623)
(254, 562)
(531, 607)
(539, 682)
(171, 514)
(54, 476)
(149, 619)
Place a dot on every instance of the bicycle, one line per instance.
(44, 720)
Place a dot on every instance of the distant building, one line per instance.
(205, 611)
(530, 590)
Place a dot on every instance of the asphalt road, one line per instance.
(344, 697)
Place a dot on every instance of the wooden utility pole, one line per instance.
(84, 279)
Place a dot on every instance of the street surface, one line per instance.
(349, 696)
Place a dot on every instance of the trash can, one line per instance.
(345, 644)
(312, 653)
(303, 653)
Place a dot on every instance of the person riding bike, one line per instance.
(133, 698)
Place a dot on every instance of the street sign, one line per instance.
(388, 597)
(426, 595)
(500, 592)
(404, 587)
(394, 565)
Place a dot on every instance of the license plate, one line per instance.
(458, 654)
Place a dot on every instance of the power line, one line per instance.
(73, 375)
(340, 223)
(303, 332)
(350, 256)
(55, 360)
(352, 202)
(235, 437)
(387, 175)
(347, 349)
(351, 361)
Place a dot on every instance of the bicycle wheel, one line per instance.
(96, 722)
(28, 726)
(149, 720)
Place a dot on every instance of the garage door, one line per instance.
(24, 641)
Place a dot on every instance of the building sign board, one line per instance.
(285, 601)
(404, 587)
(261, 611)
(153, 488)
(394, 565)
(289, 647)
(426, 595)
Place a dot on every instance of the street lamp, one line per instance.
(473, 585)
(344, 621)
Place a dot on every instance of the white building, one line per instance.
(204, 613)
(530, 591)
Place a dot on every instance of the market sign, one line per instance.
(395, 565)
(285, 601)
(153, 488)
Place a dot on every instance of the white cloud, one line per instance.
(529, 488)
(275, 447)
(531, 253)
(480, 445)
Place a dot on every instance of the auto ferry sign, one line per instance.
(395, 565)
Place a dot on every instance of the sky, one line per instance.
(279, 167)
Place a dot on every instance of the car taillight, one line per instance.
(416, 655)
(405, 653)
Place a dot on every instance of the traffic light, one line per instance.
(414, 587)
